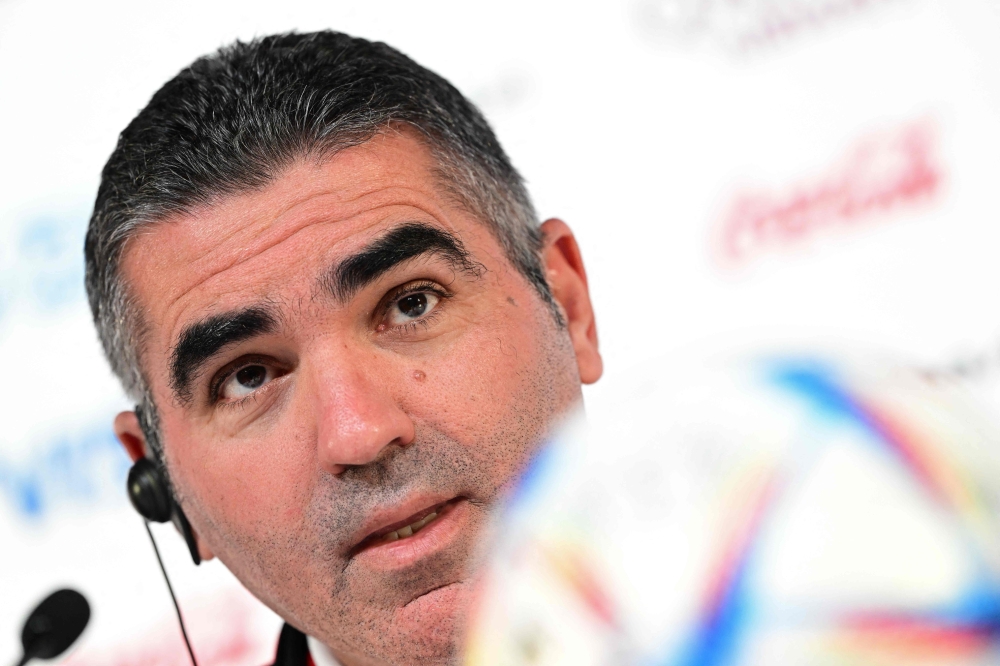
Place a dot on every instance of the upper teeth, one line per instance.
(410, 529)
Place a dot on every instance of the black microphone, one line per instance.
(54, 625)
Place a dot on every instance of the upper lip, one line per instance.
(389, 519)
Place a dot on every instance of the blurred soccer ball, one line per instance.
(778, 512)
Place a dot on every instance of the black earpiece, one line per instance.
(181, 521)
(148, 491)
(151, 495)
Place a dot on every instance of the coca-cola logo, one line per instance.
(883, 172)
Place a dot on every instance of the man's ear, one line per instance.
(568, 281)
(129, 433)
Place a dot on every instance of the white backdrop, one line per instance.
(738, 172)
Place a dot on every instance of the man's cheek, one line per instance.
(256, 491)
(462, 396)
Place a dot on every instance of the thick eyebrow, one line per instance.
(399, 244)
(202, 340)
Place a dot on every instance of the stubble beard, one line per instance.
(362, 614)
(309, 575)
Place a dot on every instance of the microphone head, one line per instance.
(55, 624)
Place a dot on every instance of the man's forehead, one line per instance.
(182, 263)
(393, 167)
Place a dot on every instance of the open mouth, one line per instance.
(408, 527)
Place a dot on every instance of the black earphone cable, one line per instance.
(170, 588)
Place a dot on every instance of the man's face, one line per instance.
(349, 373)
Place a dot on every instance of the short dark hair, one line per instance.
(232, 120)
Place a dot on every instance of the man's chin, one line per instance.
(434, 623)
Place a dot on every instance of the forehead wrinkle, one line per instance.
(241, 260)
(248, 253)
(308, 222)
(312, 169)
(247, 257)
(282, 180)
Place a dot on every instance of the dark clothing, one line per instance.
(293, 650)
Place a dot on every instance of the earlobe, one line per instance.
(567, 278)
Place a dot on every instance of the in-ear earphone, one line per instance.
(145, 489)
(151, 495)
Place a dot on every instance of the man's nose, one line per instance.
(358, 415)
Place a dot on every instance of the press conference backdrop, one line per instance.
(811, 173)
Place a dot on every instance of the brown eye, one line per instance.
(412, 307)
(252, 376)
(245, 381)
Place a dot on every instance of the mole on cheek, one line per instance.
(419, 375)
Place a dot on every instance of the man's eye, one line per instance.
(245, 381)
(411, 307)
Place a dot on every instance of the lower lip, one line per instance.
(435, 536)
